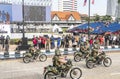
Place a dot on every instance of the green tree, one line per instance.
(97, 18)
(106, 18)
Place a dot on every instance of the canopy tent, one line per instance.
(56, 28)
(97, 27)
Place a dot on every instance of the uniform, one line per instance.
(84, 48)
(95, 49)
(56, 60)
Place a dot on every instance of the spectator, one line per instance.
(48, 43)
(7, 42)
(52, 42)
(35, 42)
(2, 41)
(114, 39)
(63, 41)
(39, 42)
(91, 43)
(58, 42)
(101, 39)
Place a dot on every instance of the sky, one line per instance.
(99, 7)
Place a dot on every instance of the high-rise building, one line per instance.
(65, 5)
(113, 8)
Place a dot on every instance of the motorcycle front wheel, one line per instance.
(107, 62)
(49, 75)
(75, 73)
(42, 57)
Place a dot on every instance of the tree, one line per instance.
(106, 18)
(97, 18)
(118, 1)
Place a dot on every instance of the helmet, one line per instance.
(57, 52)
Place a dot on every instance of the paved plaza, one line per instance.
(16, 69)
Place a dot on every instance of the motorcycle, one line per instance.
(101, 58)
(52, 72)
(31, 56)
(78, 56)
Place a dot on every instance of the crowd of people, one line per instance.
(70, 40)
(4, 43)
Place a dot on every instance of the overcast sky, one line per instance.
(99, 7)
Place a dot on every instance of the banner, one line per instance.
(5, 29)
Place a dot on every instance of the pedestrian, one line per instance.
(2, 41)
(7, 42)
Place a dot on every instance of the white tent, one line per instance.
(71, 27)
(56, 28)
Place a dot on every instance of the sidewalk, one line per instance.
(11, 48)
(13, 54)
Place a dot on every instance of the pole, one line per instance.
(89, 20)
(23, 18)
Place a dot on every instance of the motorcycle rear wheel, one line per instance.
(77, 58)
(42, 57)
(89, 64)
(26, 59)
(75, 73)
(49, 75)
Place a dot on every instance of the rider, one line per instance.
(95, 50)
(84, 48)
(58, 61)
(33, 51)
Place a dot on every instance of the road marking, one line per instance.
(118, 73)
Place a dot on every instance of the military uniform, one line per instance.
(84, 48)
(56, 62)
(95, 49)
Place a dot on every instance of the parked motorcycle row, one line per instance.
(52, 72)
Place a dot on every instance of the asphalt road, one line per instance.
(16, 69)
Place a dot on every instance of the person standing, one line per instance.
(63, 41)
(2, 42)
(52, 42)
(39, 42)
(35, 41)
(7, 43)
(58, 42)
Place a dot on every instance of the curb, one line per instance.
(66, 51)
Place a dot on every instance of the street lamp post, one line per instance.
(23, 32)
(89, 20)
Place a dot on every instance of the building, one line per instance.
(64, 5)
(113, 8)
(38, 16)
(66, 18)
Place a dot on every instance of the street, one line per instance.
(16, 69)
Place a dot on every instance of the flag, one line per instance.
(92, 1)
(85, 1)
